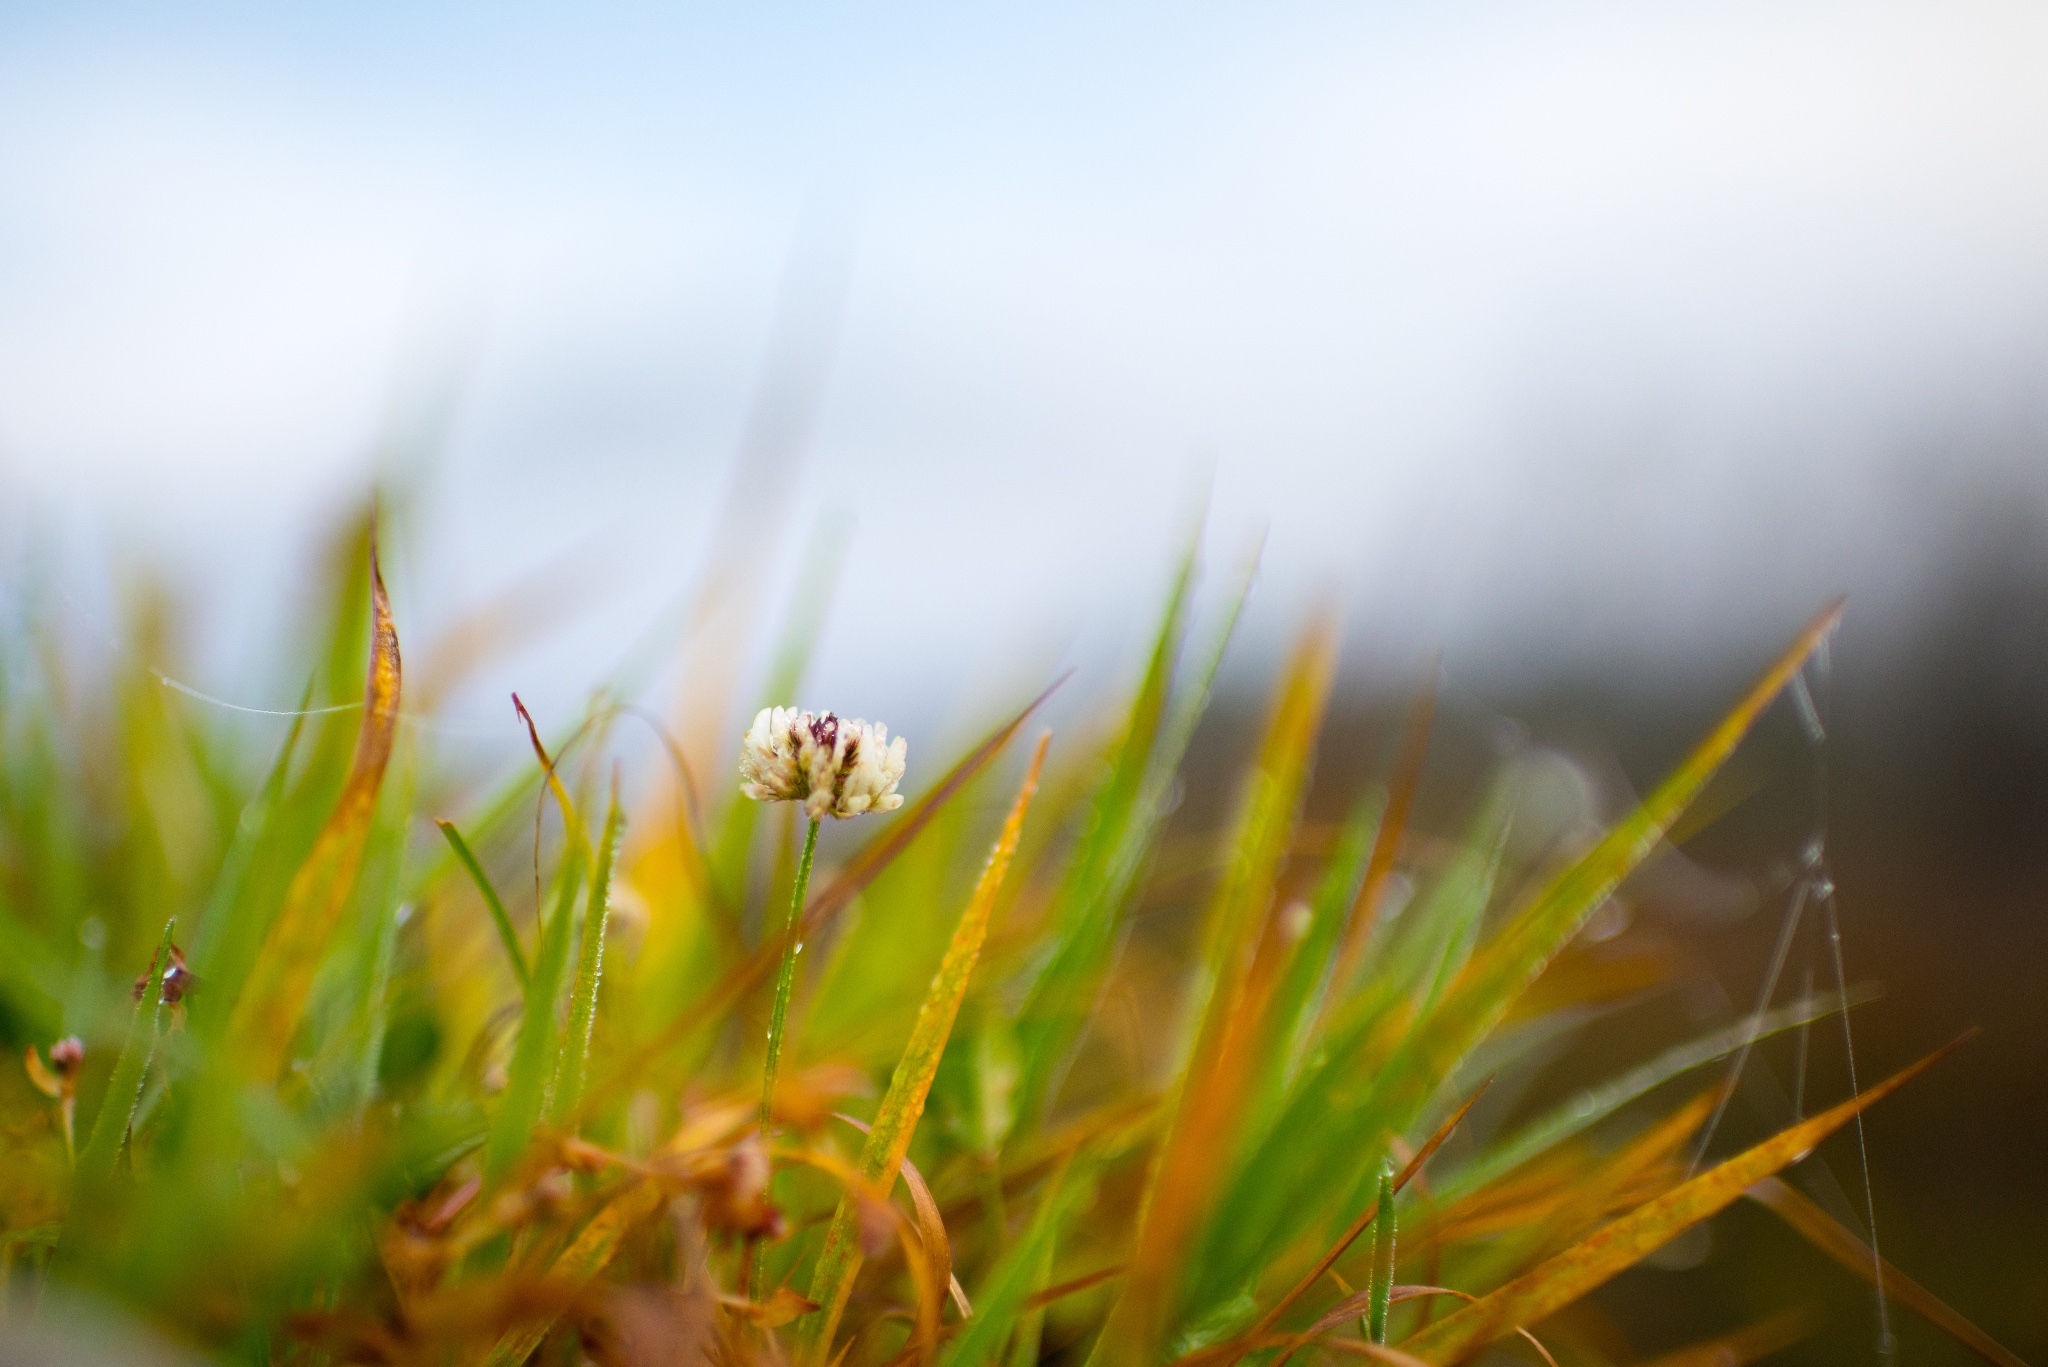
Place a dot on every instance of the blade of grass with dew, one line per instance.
(1087, 912)
(124, 1087)
(533, 1056)
(1625, 1242)
(896, 1120)
(1382, 1286)
(266, 1013)
(589, 967)
(1595, 1104)
(1385, 1093)
(507, 936)
(1821, 1230)
(1227, 1005)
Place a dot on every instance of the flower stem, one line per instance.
(785, 981)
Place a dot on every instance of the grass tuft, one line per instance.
(1088, 1085)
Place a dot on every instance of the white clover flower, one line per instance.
(834, 766)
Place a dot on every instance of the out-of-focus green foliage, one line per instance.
(493, 1097)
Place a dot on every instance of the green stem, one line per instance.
(785, 981)
(1382, 1257)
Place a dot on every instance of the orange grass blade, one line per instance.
(896, 1120)
(1824, 1233)
(1571, 1274)
(267, 1013)
(1229, 1003)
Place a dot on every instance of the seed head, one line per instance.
(834, 766)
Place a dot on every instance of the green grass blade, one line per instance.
(1382, 1256)
(1021, 1273)
(1298, 1000)
(533, 1057)
(1087, 915)
(508, 936)
(124, 1087)
(589, 967)
(889, 1138)
(1633, 1237)
(1081, 977)
(227, 917)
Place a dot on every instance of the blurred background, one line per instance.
(1595, 345)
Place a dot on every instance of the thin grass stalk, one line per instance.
(589, 967)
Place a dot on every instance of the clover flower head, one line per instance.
(835, 766)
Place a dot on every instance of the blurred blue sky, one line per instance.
(1532, 329)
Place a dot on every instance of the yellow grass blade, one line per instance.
(1229, 1003)
(1571, 1274)
(896, 1121)
(267, 1012)
(1821, 1230)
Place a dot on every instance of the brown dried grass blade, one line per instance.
(266, 1014)
(1824, 1233)
(1571, 1274)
